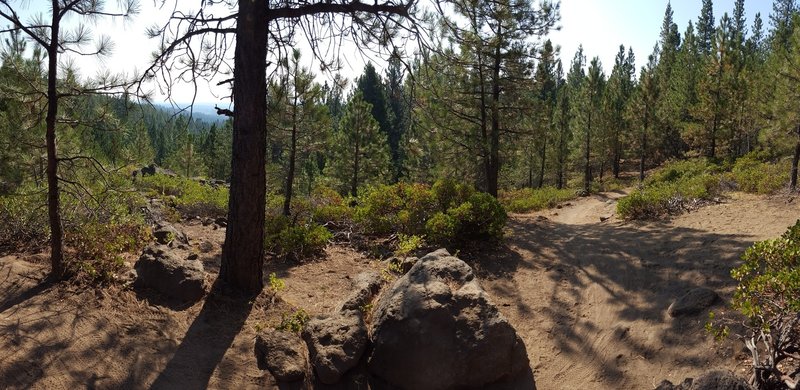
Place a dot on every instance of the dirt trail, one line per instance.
(589, 297)
(587, 293)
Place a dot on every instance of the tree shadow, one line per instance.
(207, 340)
(636, 270)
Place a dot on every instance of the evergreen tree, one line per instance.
(360, 152)
(706, 27)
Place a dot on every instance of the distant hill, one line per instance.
(200, 111)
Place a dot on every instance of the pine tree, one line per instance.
(360, 152)
(706, 27)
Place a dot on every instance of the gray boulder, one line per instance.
(436, 328)
(667, 385)
(720, 380)
(365, 286)
(402, 264)
(283, 354)
(693, 302)
(335, 344)
(160, 270)
(165, 233)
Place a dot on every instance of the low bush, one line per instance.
(759, 177)
(530, 199)
(481, 217)
(191, 197)
(399, 208)
(677, 187)
(23, 219)
(768, 295)
(97, 249)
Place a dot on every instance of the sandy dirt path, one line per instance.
(589, 293)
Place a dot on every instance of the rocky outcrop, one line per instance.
(165, 233)
(720, 380)
(162, 271)
(693, 302)
(436, 328)
(335, 344)
(283, 354)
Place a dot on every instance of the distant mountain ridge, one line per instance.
(199, 111)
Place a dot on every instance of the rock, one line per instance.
(335, 344)
(283, 354)
(162, 271)
(221, 222)
(165, 233)
(667, 385)
(366, 285)
(693, 302)
(192, 256)
(720, 380)
(205, 247)
(436, 328)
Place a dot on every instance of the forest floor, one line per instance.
(588, 296)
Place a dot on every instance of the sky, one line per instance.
(599, 25)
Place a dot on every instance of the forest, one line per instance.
(468, 133)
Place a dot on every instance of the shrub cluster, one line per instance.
(677, 187)
(445, 213)
(753, 175)
(533, 199)
(190, 197)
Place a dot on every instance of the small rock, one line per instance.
(205, 246)
(603, 219)
(165, 233)
(283, 354)
(221, 221)
(335, 344)
(693, 302)
(192, 256)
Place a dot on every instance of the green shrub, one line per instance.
(407, 244)
(294, 241)
(481, 217)
(530, 199)
(768, 294)
(758, 177)
(96, 249)
(679, 186)
(23, 220)
(328, 207)
(191, 197)
(450, 193)
(398, 208)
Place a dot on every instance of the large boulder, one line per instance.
(335, 344)
(283, 354)
(436, 328)
(720, 380)
(693, 302)
(162, 271)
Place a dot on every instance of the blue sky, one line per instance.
(602, 25)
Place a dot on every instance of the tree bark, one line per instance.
(53, 201)
(587, 173)
(795, 162)
(494, 136)
(643, 145)
(287, 202)
(541, 167)
(243, 251)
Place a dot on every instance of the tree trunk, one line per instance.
(643, 146)
(587, 174)
(541, 167)
(53, 207)
(287, 201)
(243, 251)
(561, 141)
(494, 146)
(795, 161)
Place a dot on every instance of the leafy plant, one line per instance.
(407, 244)
(530, 199)
(293, 322)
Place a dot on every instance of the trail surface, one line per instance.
(589, 293)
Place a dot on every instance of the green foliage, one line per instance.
(768, 294)
(191, 197)
(23, 219)
(673, 189)
(534, 199)
(276, 284)
(328, 207)
(401, 207)
(481, 217)
(97, 248)
(293, 322)
(295, 237)
(407, 244)
(758, 177)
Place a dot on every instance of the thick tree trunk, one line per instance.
(53, 201)
(243, 251)
(795, 162)
(561, 158)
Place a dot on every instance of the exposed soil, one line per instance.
(588, 297)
